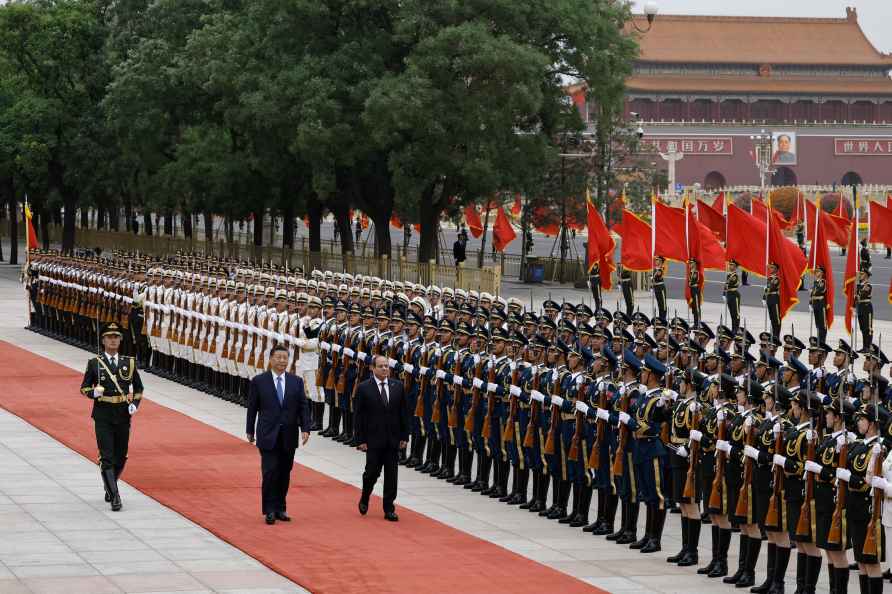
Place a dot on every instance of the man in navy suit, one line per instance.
(382, 430)
(280, 400)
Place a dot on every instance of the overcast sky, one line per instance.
(875, 16)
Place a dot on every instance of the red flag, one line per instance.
(836, 229)
(636, 249)
(841, 210)
(417, 227)
(798, 215)
(600, 245)
(396, 222)
(543, 222)
(364, 222)
(746, 240)
(791, 264)
(718, 204)
(472, 218)
(516, 207)
(880, 224)
(759, 209)
(502, 232)
(713, 219)
(31, 239)
(889, 200)
(820, 256)
(669, 236)
(703, 247)
(850, 278)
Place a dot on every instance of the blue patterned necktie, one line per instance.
(280, 392)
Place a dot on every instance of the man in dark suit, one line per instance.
(280, 400)
(382, 429)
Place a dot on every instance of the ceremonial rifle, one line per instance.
(743, 496)
(573, 454)
(425, 380)
(806, 512)
(594, 458)
(834, 534)
(457, 391)
(471, 418)
(535, 409)
(486, 431)
(772, 515)
(435, 412)
(874, 527)
(508, 434)
(718, 483)
(618, 459)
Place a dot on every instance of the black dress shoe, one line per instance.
(639, 544)
(626, 538)
(391, 517)
(677, 557)
(688, 559)
(746, 580)
(708, 569)
(720, 570)
(363, 507)
(283, 517)
(270, 519)
(652, 546)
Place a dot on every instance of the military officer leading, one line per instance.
(113, 383)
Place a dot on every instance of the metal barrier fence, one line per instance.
(488, 278)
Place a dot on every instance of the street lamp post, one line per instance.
(650, 11)
(763, 154)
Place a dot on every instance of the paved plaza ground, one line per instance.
(59, 536)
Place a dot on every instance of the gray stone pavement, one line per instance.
(74, 543)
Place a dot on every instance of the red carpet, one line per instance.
(213, 479)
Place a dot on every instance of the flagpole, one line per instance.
(653, 246)
(767, 256)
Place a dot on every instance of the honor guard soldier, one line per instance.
(771, 297)
(732, 295)
(113, 383)
(864, 308)
(594, 283)
(818, 303)
(864, 257)
(625, 283)
(659, 285)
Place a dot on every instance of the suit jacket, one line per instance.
(293, 418)
(379, 425)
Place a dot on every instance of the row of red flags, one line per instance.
(681, 235)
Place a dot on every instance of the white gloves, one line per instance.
(557, 400)
(457, 380)
(877, 449)
(813, 467)
(477, 383)
(408, 368)
(682, 451)
(603, 414)
(423, 370)
(747, 422)
(843, 474)
(514, 390)
(537, 395)
(392, 363)
(336, 348)
(878, 482)
(132, 409)
(723, 446)
(751, 452)
(809, 435)
(819, 373)
(624, 418)
(693, 406)
(490, 387)
(349, 353)
(97, 393)
(776, 428)
(779, 460)
(324, 346)
(720, 416)
(440, 374)
(696, 436)
(582, 407)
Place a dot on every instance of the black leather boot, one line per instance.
(476, 481)
(715, 553)
(436, 446)
(535, 494)
(485, 466)
(876, 585)
(448, 470)
(501, 488)
(812, 573)
(555, 496)
(780, 570)
(623, 521)
(748, 578)
(542, 496)
(630, 534)
(841, 578)
(585, 502)
(801, 570)
(741, 560)
(770, 561)
(571, 513)
(610, 505)
(721, 567)
(563, 497)
(523, 480)
(656, 533)
(684, 543)
(111, 487)
(692, 555)
(599, 519)
(417, 451)
(514, 485)
(648, 527)
(496, 469)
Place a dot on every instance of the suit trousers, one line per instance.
(112, 439)
(375, 460)
(275, 466)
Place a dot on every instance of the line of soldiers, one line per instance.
(578, 402)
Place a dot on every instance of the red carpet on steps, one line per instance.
(213, 479)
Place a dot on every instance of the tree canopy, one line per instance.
(412, 108)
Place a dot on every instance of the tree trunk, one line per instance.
(208, 226)
(147, 222)
(187, 225)
(8, 193)
(100, 216)
(68, 221)
(483, 237)
(429, 209)
(168, 223)
(342, 220)
(383, 246)
(288, 227)
(45, 227)
(85, 218)
(258, 226)
(114, 218)
(128, 214)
